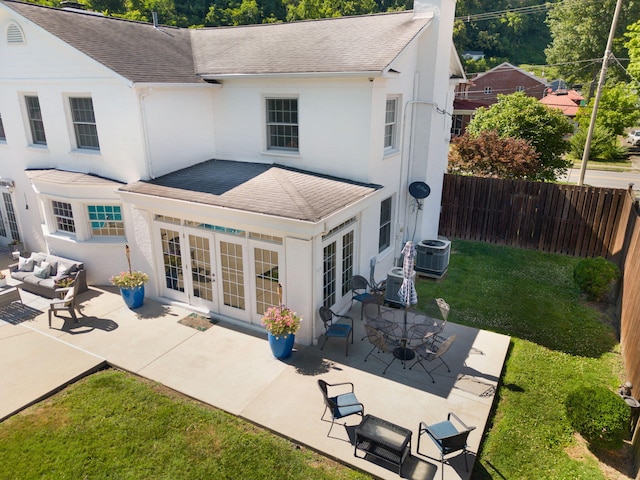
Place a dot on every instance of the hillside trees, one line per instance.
(520, 116)
(579, 31)
(513, 37)
(633, 46)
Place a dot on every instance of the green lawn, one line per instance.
(113, 425)
(557, 344)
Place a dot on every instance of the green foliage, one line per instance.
(520, 116)
(595, 277)
(619, 108)
(604, 145)
(520, 38)
(633, 46)
(599, 415)
(579, 31)
(489, 155)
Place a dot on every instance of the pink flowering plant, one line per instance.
(129, 279)
(281, 321)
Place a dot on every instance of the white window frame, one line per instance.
(390, 140)
(487, 90)
(77, 124)
(519, 88)
(294, 146)
(386, 224)
(119, 224)
(61, 218)
(32, 121)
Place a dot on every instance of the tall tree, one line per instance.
(579, 32)
(618, 109)
(520, 116)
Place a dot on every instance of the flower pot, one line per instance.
(3, 282)
(281, 347)
(133, 297)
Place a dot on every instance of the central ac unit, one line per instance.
(394, 282)
(432, 257)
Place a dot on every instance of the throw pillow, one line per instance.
(63, 270)
(25, 264)
(41, 272)
(53, 265)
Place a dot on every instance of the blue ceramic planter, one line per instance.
(133, 297)
(281, 347)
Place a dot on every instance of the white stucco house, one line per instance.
(230, 160)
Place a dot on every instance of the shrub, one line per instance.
(595, 276)
(599, 415)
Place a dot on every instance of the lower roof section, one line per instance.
(258, 188)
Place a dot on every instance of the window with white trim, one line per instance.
(384, 238)
(84, 122)
(282, 124)
(391, 123)
(105, 220)
(63, 214)
(3, 137)
(519, 88)
(36, 124)
(487, 90)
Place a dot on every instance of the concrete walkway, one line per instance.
(234, 370)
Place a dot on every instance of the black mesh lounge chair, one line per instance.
(448, 437)
(340, 405)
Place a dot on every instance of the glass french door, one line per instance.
(8, 221)
(187, 263)
(226, 273)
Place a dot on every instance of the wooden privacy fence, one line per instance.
(579, 221)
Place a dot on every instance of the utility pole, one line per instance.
(596, 101)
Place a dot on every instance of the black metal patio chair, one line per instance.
(340, 405)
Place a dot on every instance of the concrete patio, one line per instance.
(233, 369)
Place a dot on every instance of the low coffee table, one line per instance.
(384, 440)
(9, 294)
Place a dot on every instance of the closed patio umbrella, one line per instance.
(407, 293)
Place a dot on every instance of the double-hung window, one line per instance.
(391, 124)
(105, 220)
(282, 124)
(3, 137)
(84, 123)
(63, 214)
(487, 90)
(384, 238)
(35, 120)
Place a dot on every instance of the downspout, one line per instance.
(145, 135)
(409, 156)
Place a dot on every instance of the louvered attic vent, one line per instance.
(14, 35)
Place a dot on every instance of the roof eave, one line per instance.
(223, 76)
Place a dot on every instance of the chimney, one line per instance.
(155, 19)
(424, 9)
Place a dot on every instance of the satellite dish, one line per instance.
(419, 190)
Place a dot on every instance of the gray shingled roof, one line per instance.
(255, 187)
(142, 53)
(135, 50)
(62, 177)
(338, 45)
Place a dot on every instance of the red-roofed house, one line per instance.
(566, 100)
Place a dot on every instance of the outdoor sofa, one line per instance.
(39, 273)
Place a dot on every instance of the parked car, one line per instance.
(634, 138)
